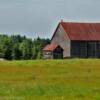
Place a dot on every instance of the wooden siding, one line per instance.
(60, 38)
(83, 49)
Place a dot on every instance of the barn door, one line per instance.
(91, 50)
(58, 53)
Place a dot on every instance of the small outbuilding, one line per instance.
(52, 51)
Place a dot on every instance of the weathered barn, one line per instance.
(78, 40)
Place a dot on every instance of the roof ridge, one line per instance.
(81, 22)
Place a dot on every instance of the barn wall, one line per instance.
(85, 49)
(60, 38)
(78, 49)
(98, 49)
(94, 49)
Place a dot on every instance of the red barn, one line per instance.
(74, 40)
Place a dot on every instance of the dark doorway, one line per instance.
(58, 53)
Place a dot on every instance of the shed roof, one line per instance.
(50, 47)
(82, 31)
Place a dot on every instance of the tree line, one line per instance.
(18, 47)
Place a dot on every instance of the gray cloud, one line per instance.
(40, 17)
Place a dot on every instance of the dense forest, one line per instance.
(18, 47)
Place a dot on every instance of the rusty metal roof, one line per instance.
(50, 47)
(82, 31)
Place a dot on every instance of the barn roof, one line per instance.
(82, 31)
(50, 47)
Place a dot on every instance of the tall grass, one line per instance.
(71, 79)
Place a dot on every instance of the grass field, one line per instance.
(50, 80)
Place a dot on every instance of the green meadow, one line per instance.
(71, 79)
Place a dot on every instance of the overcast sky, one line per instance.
(40, 17)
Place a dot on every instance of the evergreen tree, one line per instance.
(16, 53)
(19, 47)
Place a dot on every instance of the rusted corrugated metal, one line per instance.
(82, 31)
(50, 47)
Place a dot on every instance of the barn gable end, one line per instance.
(61, 38)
